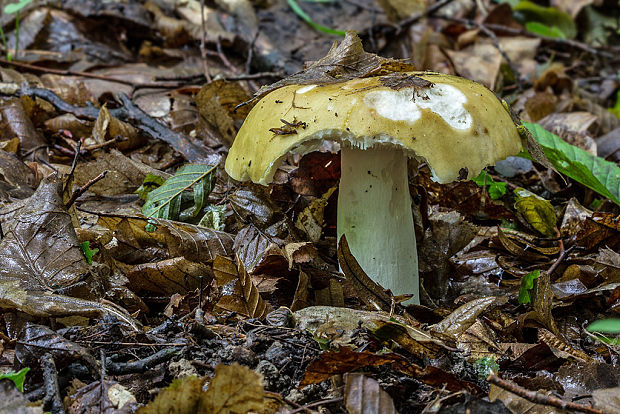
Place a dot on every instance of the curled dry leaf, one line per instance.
(239, 293)
(463, 317)
(343, 62)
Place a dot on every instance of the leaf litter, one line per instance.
(230, 297)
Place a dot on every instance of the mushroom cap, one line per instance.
(450, 122)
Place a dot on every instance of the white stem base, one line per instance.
(374, 212)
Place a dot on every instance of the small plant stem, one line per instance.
(16, 34)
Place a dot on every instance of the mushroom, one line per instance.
(458, 127)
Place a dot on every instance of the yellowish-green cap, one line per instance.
(457, 126)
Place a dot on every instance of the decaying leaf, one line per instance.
(239, 292)
(537, 211)
(196, 244)
(363, 395)
(369, 291)
(41, 261)
(343, 62)
(181, 397)
(463, 317)
(234, 389)
(176, 275)
(311, 219)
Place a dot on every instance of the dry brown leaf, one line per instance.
(311, 219)
(234, 389)
(369, 291)
(345, 61)
(183, 396)
(463, 317)
(124, 174)
(176, 275)
(300, 300)
(363, 395)
(195, 243)
(239, 291)
(414, 340)
(216, 102)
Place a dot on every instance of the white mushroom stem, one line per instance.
(374, 212)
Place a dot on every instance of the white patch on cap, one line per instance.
(402, 105)
(305, 89)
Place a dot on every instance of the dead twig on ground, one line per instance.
(539, 398)
(77, 193)
(52, 399)
(203, 47)
(141, 365)
(130, 113)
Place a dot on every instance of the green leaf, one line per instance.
(484, 366)
(527, 12)
(616, 109)
(150, 183)
(538, 212)
(611, 326)
(88, 252)
(544, 30)
(303, 16)
(213, 217)
(15, 7)
(165, 201)
(18, 378)
(497, 189)
(527, 284)
(593, 172)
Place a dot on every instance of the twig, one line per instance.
(83, 189)
(103, 395)
(141, 365)
(562, 254)
(114, 140)
(50, 380)
(223, 58)
(568, 42)
(248, 61)
(316, 404)
(414, 19)
(61, 72)
(203, 47)
(129, 112)
(539, 398)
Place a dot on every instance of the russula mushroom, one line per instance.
(456, 126)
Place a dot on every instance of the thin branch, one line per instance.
(203, 47)
(77, 193)
(540, 398)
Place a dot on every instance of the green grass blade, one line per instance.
(304, 16)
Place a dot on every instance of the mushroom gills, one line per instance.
(374, 212)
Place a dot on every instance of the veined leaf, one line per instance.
(165, 201)
(537, 211)
(594, 172)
